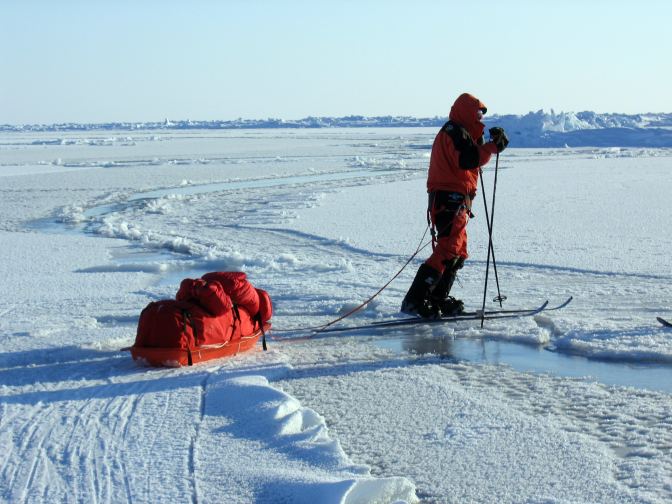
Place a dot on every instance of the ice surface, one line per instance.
(338, 419)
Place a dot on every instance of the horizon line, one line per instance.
(167, 121)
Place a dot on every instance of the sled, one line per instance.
(218, 315)
(179, 357)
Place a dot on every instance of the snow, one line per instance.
(95, 224)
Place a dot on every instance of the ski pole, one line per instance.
(487, 264)
(499, 297)
(490, 221)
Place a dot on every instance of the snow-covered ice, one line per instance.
(95, 224)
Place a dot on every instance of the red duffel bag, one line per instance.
(208, 295)
(180, 324)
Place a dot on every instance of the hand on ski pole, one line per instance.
(499, 138)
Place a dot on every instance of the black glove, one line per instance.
(499, 138)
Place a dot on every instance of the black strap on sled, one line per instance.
(236, 318)
(236, 315)
(187, 320)
(257, 318)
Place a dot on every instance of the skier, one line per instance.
(458, 153)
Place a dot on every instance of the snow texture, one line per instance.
(565, 407)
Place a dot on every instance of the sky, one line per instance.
(124, 60)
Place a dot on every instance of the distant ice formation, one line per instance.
(534, 129)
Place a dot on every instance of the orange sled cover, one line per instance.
(177, 357)
(218, 315)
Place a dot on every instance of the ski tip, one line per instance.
(569, 300)
(543, 306)
(666, 323)
(562, 305)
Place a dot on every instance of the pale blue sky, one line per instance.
(124, 60)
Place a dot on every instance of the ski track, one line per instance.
(99, 439)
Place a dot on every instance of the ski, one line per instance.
(476, 315)
(666, 323)
(456, 318)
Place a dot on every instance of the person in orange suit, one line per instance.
(458, 153)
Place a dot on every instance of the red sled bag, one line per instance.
(218, 315)
(166, 323)
(235, 284)
(209, 295)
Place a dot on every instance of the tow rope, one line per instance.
(318, 329)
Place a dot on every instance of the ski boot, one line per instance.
(417, 301)
(447, 305)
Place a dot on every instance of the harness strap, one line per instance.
(464, 199)
(430, 223)
(468, 200)
(467, 203)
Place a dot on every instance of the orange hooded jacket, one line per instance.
(458, 151)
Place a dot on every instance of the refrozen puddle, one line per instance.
(534, 359)
(50, 226)
(191, 190)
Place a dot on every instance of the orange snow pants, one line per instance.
(448, 213)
